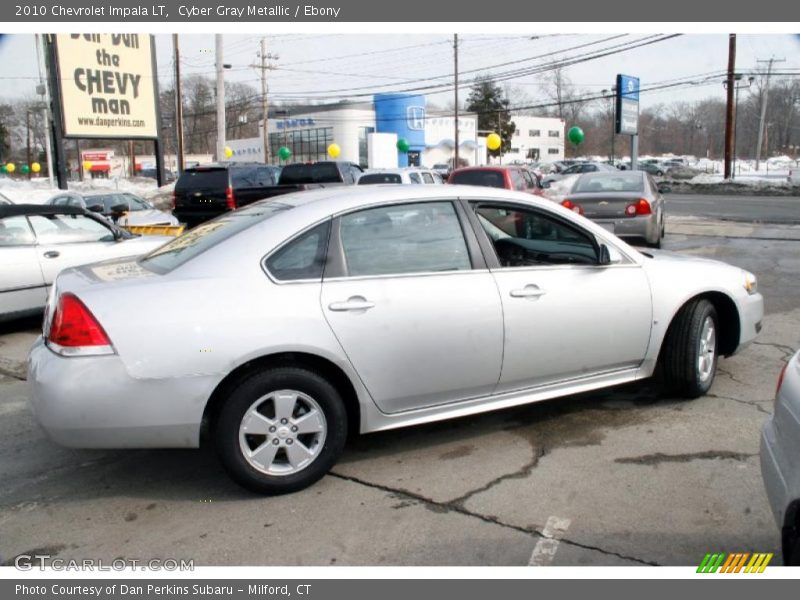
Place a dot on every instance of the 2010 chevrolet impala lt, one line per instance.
(278, 328)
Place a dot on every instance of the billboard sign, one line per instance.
(107, 85)
(627, 113)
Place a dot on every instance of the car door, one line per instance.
(565, 316)
(69, 240)
(413, 305)
(22, 285)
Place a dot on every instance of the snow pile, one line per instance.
(38, 190)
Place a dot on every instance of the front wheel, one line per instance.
(690, 350)
(281, 430)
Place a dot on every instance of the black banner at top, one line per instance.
(444, 11)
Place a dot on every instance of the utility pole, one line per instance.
(729, 108)
(220, 99)
(28, 154)
(764, 97)
(178, 104)
(455, 72)
(264, 67)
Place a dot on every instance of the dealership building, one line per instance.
(368, 132)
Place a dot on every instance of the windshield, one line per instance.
(196, 241)
(618, 182)
(479, 177)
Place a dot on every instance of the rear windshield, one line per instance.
(606, 182)
(255, 176)
(380, 178)
(196, 241)
(485, 178)
(316, 173)
(202, 179)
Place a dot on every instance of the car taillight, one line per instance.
(230, 199)
(570, 205)
(638, 208)
(74, 329)
(780, 379)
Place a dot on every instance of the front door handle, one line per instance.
(529, 291)
(52, 254)
(353, 303)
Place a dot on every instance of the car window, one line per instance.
(524, 237)
(529, 183)
(136, 203)
(303, 257)
(196, 241)
(572, 169)
(486, 178)
(73, 201)
(426, 177)
(371, 178)
(621, 181)
(408, 238)
(202, 179)
(414, 177)
(15, 231)
(517, 181)
(59, 200)
(69, 229)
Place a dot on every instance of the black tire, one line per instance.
(657, 243)
(793, 557)
(226, 439)
(682, 349)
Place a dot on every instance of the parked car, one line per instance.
(577, 169)
(122, 208)
(169, 176)
(443, 169)
(627, 203)
(653, 168)
(408, 175)
(5, 200)
(794, 177)
(436, 302)
(506, 177)
(38, 241)
(780, 448)
(207, 191)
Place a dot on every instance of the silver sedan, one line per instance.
(627, 203)
(780, 468)
(288, 323)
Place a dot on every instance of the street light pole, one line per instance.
(220, 98)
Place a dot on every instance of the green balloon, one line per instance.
(403, 145)
(284, 153)
(2, 168)
(575, 135)
(25, 169)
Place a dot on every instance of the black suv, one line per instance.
(207, 191)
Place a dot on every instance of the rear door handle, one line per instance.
(529, 291)
(351, 304)
(52, 254)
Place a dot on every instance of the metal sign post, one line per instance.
(627, 113)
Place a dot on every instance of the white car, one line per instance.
(38, 241)
(287, 322)
(122, 208)
(406, 175)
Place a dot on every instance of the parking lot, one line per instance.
(618, 477)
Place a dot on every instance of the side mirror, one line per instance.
(96, 208)
(664, 189)
(609, 255)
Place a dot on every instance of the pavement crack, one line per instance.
(659, 457)
(722, 371)
(521, 473)
(788, 351)
(453, 506)
(754, 403)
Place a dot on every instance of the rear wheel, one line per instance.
(281, 430)
(690, 350)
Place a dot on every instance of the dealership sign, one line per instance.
(107, 83)
(627, 120)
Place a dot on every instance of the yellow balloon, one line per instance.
(493, 141)
(228, 152)
(334, 150)
(87, 164)
(10, 168)
(36, 167)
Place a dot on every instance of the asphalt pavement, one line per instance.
(745, 209)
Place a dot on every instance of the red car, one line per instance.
(511, 177)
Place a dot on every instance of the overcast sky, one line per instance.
(337, 66)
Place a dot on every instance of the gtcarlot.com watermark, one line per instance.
(29, 562)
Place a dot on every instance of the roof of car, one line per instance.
(15, 210)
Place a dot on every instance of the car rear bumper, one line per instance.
(93, 402)
(646, 227)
